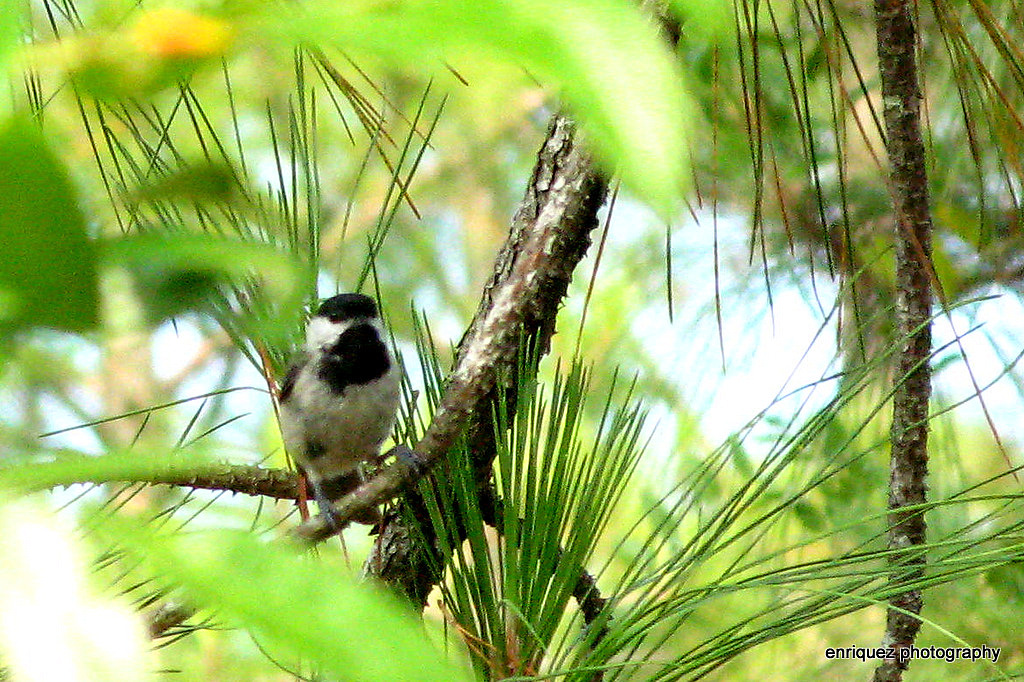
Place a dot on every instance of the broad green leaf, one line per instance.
(606, 58)
(355, 632)
(48, 264)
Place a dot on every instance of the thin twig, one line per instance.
(248, 479)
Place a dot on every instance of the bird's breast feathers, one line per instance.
(342, 429)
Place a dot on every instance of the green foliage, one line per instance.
(356, 632)
(48, 269)
(590, 48)
(557, 487)
(183, 272)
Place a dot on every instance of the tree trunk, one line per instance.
(901, 98)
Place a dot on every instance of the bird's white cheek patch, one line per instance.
(322, 332)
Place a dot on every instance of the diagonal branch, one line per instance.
(549, 236)
(248, 479)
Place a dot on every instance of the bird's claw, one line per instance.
(410, 458)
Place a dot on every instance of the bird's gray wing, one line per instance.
(292, 376)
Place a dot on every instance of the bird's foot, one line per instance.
(333, 489)
(327, 509)
(410, 458)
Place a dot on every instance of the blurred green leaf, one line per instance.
(1007, 580)
(176, 273)
(704, 21)
(10, 29)
(810, 516)
(48, 269)
(613, 69)
(355, 632)
(203, 181)
(73, 467)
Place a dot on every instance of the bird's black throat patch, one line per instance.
(357, 357)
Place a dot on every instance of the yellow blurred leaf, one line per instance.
(175, 33)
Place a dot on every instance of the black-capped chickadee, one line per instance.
(339, 398)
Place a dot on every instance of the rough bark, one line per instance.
(909, 433)
(278, 484)
(549, 235)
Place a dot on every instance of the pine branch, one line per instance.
(901, 98)
(585, 592)
(279, 484)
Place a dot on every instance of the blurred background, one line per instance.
(761, 305)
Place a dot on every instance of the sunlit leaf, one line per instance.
(176, 33)
(606, 59)
(356, 632)
(53, 626)
(160, 48)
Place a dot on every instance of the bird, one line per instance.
(339, 399)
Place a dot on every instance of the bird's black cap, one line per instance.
(344, 307)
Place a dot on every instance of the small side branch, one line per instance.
(901, 98)
(279, 484)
